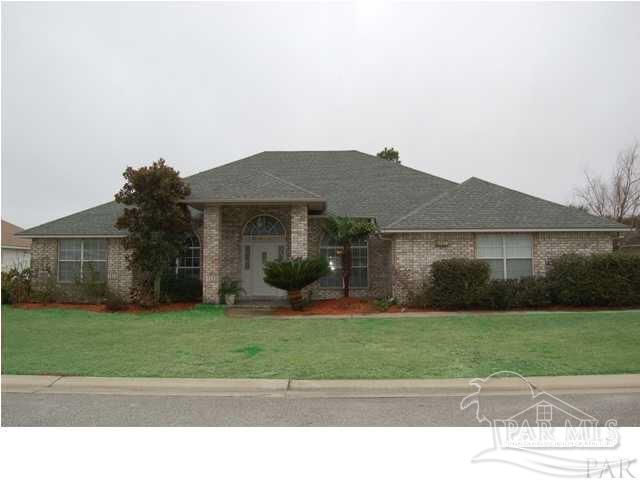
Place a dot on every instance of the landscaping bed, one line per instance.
(339, 306)
(88, 307)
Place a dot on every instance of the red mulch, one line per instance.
(356, 306)
(168, 307)
(341, 306)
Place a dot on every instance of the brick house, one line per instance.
(272, 204)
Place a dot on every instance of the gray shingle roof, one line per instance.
(355, 184)
(241, 183)
(351, 182)
(480, 205)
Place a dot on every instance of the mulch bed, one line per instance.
(168, 307)
(342, 306)
(356, 306)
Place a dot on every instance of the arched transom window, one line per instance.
(359, 262)
(264, 226)
(188, 264)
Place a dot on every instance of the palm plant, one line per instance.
(294, 274)
(344, 231)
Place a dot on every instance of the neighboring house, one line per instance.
(630, 243)
(16, 251)
(272, 204)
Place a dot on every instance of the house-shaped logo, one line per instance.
(536, 423)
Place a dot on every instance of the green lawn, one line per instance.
(205, 343)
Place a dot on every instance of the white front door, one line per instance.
(255, 255)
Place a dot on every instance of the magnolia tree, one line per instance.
(156, 222)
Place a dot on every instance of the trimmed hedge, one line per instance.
(458, 282)
(603, 280)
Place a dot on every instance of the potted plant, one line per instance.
(294, 274)
(229, 290)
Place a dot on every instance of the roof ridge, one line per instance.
(224, 165)
(291, 183)
(376, 157)
(427, 203)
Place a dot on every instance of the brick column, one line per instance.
(44, 261)
(211, 238)
(299, 231)
(119, 277)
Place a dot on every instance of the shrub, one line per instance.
(533, 293)
(6, 295)
(499, 295)
(608, 280)
(294, 274)
(91, 289)
(114, 302)
(16, 285)
(383, 304)
(49, 291)
(458, 282)
(229, 286)
(181, 288)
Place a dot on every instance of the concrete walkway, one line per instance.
(314, 388)
(443, 313)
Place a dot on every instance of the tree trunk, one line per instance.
(295, 298)
(346, 268)
(156, 287)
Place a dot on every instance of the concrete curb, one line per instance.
(315, 388)
(144, 386)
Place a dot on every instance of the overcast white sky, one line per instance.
(522, 95)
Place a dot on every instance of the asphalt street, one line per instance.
(57, 409)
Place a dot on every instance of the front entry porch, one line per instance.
(237, 240)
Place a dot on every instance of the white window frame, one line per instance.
(82, 260)
(190, 249)
(323, 250)
(504, 256)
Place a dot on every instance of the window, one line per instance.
(359, 262)
(188, 264)
(508, 256)
(82, 259)
(544, 412)
(264, 226)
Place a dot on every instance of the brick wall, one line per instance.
(44, 262)
(119, 277)
(211, 253)
(44, 259)
(414, 253)
(548, 245)
(299, 231)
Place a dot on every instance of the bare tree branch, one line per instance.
(617, 197)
